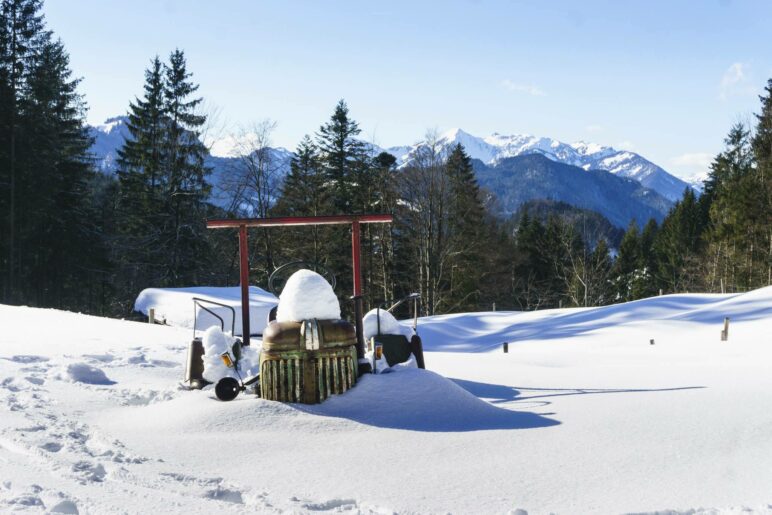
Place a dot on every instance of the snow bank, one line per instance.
(421, 400)
(175, 306)
(84, 373)
(486, 331)
(307, 295)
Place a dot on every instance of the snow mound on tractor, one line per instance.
(307, 295)
(389, 324)
(216, 343)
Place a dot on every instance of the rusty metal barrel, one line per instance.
(307, 361)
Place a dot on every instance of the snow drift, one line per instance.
(174, 306)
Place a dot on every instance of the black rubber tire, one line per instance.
(227, 389)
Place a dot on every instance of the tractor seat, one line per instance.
(397, 348)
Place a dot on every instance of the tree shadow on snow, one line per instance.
(481, 332)
(499, 393)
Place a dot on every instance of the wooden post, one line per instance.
(560, 304)
(725, 331)
(151, 316)
(506, 347)
(660, 292)
(494, 306)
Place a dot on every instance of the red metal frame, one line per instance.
(243, 223)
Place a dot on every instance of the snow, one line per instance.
(307, 295)
(496, 147)
(174, 306)
(216, 343)
(85, 373)
(389, 324)
(583, 415)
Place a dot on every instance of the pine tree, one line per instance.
(143, 183)
(57, 145)
(162, 238)
(185, 172)
(343, 159)
(761, 184)
(305, 193)
(626, 265)
(678, 245)
(534, 275)
(467, 231)
(22, 35)
(50, 247)
(729, 200)
(647, 285)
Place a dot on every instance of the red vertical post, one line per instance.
(244, 279)
(355, 255)
(363, 364)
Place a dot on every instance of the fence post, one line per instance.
(725, 331)
(151, 316)
(506, 347)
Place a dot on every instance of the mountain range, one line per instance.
(619, 184)
(588, 156)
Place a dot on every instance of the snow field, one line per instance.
(582, 415)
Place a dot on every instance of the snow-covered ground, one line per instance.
(583, 415)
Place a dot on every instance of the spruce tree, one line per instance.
(467, 230)
(762, 187)
(729, 197)
(162, 238)
(647, 285)
(343, 159)
(305, 193)
(22, 35)
(678, 245)
(143, 180)
(345, 164)
(186, 192)
(626, 264)
(50, 248)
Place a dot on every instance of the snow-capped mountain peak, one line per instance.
(497, 146)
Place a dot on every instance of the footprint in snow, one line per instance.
(336, 505)
(51, 446)
(25, 358)
(89, 472)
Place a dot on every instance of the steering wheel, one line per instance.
(278, 277)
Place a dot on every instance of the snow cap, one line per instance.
(307, 295)
(389, 324)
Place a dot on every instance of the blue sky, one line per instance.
(663, 78)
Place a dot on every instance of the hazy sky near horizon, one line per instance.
(663, 78)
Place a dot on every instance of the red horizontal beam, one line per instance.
(224, 223)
